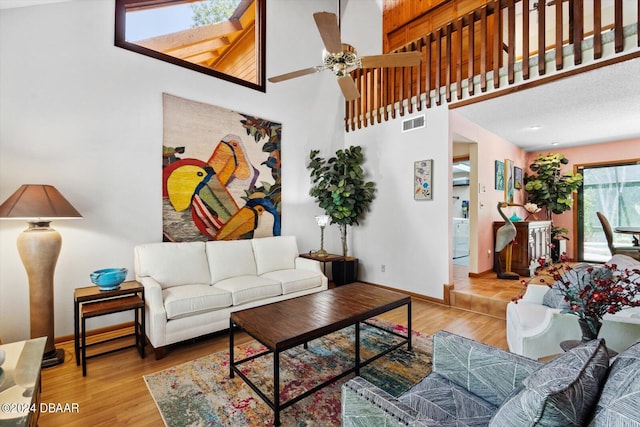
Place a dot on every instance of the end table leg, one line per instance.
(409, 325)
(231, 373)
(76, 335)
(84, 347)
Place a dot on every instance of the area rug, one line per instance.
(200, 392)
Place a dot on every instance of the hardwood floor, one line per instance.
(114, 393)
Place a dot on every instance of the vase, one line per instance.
(590, 328)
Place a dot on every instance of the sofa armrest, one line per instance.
(535, 293)
(156, 316)
(488, 372)
(308, 264)
(365, 404)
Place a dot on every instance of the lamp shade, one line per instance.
(322, 220)
(36, 202)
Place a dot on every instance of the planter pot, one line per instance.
(559, 247)
(589, 328)
(344, 271)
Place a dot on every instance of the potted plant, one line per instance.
(549, 188)
(338, 185)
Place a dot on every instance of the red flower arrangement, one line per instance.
(594, 291)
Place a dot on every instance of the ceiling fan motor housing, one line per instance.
(341, 63)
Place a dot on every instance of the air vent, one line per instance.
(413, 123)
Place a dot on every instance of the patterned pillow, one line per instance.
(619, 403)
(562, 392)
(576, 277)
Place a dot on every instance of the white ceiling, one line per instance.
(596, 106)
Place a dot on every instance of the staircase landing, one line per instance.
(485, 294)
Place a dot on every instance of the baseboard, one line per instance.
(411, 294)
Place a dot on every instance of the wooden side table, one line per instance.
(323, 259)
(91, 302)
(20, 385)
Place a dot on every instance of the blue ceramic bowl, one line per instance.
(108, 279)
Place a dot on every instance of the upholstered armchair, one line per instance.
(536, 326)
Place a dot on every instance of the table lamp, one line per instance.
(39, 247)
(322, 221)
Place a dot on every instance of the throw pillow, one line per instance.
(578, 275)
(562, 392)
(619, 404)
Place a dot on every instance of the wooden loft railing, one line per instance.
(469, 52)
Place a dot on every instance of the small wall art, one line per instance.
(499, 172)
(509, 181)
(423, 180)
(517, 174)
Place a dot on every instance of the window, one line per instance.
(228, 44)
(614, 190)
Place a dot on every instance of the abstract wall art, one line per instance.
(220, 173)
(499, 174)
(509, 181)
(517, 174)
(423, 180)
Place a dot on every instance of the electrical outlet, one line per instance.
(383, 268)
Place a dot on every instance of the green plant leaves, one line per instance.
(338, 185)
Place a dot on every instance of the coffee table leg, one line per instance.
(276, 388)
(231, 373)
(357, 348)
(409, 324)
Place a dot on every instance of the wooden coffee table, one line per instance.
(289, 323)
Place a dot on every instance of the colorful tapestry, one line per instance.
(220, 173)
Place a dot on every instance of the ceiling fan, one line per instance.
(342, 58)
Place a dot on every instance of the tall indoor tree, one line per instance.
(339, 186)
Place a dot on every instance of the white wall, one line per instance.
(78, 113)
(411, 238)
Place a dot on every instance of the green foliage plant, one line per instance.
(548, 187)
(212, 11)
(339, 187)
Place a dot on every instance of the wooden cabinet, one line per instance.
(531, 243)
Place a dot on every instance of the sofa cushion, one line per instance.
(230, 259)
(441, 402)
(562, 392)
(488, 372)
(187, 300)
(619, 403)
(275, 253)
(245, 289)
(295, 280)
(173, 264)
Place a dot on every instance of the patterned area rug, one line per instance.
(200, 392)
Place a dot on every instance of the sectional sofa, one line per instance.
(192, 287)
(473, 384)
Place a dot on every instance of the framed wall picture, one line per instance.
(499, 173)
(509, 181)
(423, 180)
(517, 175)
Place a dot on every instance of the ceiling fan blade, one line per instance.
(294, 74)
(348, 88)
(327, 24)
(401, 59)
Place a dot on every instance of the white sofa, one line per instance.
(535, 330)
(192, 287)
